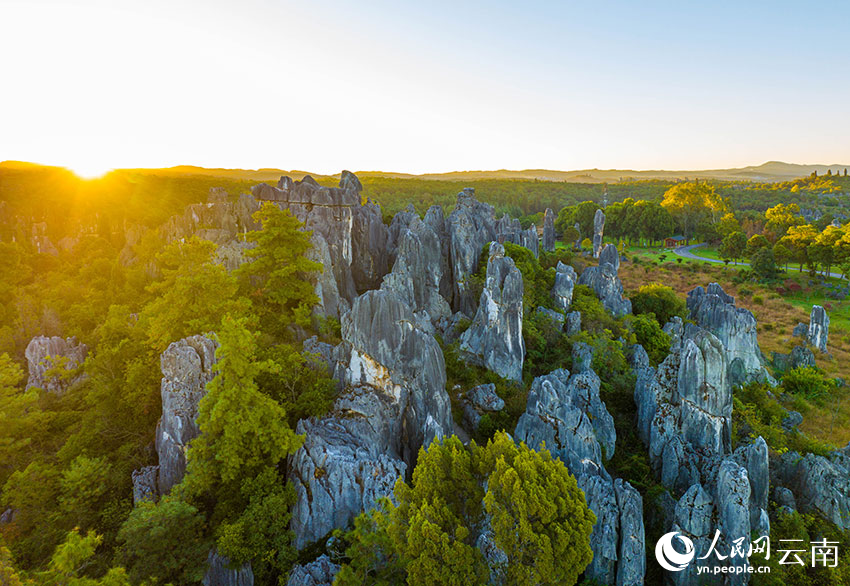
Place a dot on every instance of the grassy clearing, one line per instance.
(776, 316)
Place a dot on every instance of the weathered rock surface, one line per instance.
(799, 356)
(573, 323)
(549, 230)
(556, 318)
(480, 400)
(187, 366)
(494, 340)
(393, 402)
(320, 572)
(399, 225)
(565, 282)
(566, 413)
(369, 236)
(44, 354)
(598, 229)
(220, 573)
(735, 327)
(331, 303)
(606, 284)
(417, 273)
(144, 484)
(470, 226)
(328, 212)
(436, 220)
(820, 484)
(818, 333)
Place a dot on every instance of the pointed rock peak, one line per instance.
(349, 181)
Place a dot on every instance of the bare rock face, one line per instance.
(818, 333)
(565, 282)
(219, 572)
(369, 236)
(577, 226)
(598, 229)
(144, 484)
(479, 401)
(393, 402)
(401, 222)
(320, 572)
(509, 230)
(59, 354)
(417, 273)
(331, 303)
(187, 366)
(820, 484)
(711, 308)
(494, 340)
(549, 230)
(798, 357)
(327, 211)
(470, 226)
(566, 413)
(436, 220)
(606, 284)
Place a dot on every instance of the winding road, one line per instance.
(685, 252)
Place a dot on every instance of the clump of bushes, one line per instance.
(659, 300)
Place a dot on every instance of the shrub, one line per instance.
(758, 299)
(659, 300)
(808, 382)
(744, 292)
(649, 334)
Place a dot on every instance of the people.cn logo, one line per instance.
(669, 558)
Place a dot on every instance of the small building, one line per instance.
(674, 241)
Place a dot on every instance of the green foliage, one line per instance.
(536, 510)
(243, 431)
(734, 246)
(763, 264)
(691, 203)
(594, 318)
(191, 296)
(164, 543)
(659, 300)
(649, 334)
(808, 382)
(277, 278)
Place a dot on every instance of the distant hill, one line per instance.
(772, 171)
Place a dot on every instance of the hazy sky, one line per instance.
(423, 86)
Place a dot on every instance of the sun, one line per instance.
(89, 170)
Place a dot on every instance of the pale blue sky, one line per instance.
(425, 86)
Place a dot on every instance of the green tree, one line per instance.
(192, 295)
(781, 217)
(689, 203)
(164, 543)
(781, 254)
(659, 300)
(763, 263)
(728, 224)
(277, 278)
(798, 240)
(756, 243)
(733, 246)
(537, 516)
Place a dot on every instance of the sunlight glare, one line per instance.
(89, 170)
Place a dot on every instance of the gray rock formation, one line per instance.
(219, 573)
(573, 323)
(436, 220)
(799, 356)
(478, 401)
(549, 230)
(144, 484)
(565, 282)
(693, 519)
(556, 318)
(598, 229)
(577, 226)
(399, 225)
(187, 366)
(735, 327)
(732, 496)
(470, 226)
(369, 237)
(328, 212)
(818, 333)
(494, 340)
(348, 461)
(820, 484)
(394, 401)
(320, 572)
(801, 330)
(631, 559)
(417, 273)
(331, 303)
(55, 354)
(754, 458)
(606, 284)
(566, 413)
